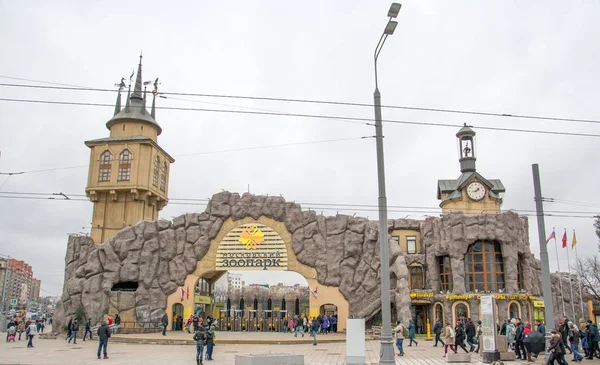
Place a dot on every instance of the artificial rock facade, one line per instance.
(344, 250)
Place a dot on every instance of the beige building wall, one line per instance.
(207, 268)
(118, 204)
(487, 205)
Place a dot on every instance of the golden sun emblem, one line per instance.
(251, 237)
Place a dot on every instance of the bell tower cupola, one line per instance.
(466, 148)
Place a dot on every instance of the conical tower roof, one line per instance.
(135, 108)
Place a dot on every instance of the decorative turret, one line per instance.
(128, 179)
(466, 147)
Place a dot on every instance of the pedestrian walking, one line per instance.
(449, 337)
(88, 329)
(165, 322)
(574, 338)
(437, 329)
(314, 327)
(103, 336)
(471, 332)
(411, 333)
(400, 331)
(31, 332)
(459, 337)
(200, 337)
(74, 330)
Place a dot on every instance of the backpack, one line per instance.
(404, 331)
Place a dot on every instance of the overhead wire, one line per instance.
(357, 120)
(209, 152)
(314, 101)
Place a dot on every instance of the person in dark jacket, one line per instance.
(520, 349)
(88, 329)
(74, 330)
(470, 331)
(103, 336)
(165, 322)
(459, 337)
(117, 323)
(592, 338)
(563, 330)
(68, 328)
(503, 328)
(437, 329)
(200, 337)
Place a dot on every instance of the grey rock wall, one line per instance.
(344, 250)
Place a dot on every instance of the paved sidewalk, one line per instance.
(57, 352)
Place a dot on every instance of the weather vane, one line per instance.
(121, 85)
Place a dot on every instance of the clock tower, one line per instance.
(471, 193)
(128, 178)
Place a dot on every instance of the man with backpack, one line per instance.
(470, 330)
(200, 337)
(401, 331)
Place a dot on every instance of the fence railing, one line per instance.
(138, 327)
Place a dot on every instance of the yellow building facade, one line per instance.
(128, 178)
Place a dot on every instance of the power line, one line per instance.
(357, 120)
(209, 152)
(309, 206)
(313, 101)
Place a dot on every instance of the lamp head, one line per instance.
(394, 10)
(390, 27)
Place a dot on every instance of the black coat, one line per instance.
(470, 330)
(437, 328)
(103, 332)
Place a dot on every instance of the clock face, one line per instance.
(476, 190)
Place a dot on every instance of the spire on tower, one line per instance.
(137, 90)
(154, 93)
(121, 85)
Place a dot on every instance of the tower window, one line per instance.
(155, 174)
(105, 166)
(124, 166)
(163, 177)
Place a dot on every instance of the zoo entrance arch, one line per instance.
(255, 244)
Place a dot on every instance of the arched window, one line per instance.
(155, 174)
(105, 166)
(514, 310)
(438, 312)
(124, 166)
(445, 273)
(416, 277)
(484, 267)
(163, 177)
(203, 287)
(460, 311)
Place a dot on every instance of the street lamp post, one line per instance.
(386, 355)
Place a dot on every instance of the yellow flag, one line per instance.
(574, 240)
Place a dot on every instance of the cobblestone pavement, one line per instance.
(60, 352)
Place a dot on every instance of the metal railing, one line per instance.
(135, 327)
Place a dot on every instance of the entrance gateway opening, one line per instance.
(262, 245)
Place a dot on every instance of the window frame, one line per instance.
(156, 171)
(125, 162)
(484, 267)
(163, 177)
(446, 281)
(104, 172)
(411, 239)
(420, 275)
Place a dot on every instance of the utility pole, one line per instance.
(546, 287)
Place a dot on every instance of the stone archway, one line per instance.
(340, 252)
(214, 262)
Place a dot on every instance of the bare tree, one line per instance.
(588, 269)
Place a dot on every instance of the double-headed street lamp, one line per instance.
(386, 355)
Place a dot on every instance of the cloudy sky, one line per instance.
(513, 57)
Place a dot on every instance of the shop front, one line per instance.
(421, 311)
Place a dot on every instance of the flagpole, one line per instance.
(579, 282)
(570, 280)
(559, 273)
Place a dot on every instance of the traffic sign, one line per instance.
(13, 301)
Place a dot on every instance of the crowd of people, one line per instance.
(568, 337)
(31, 328)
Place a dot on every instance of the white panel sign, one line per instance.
(355, 341)
(488, 323)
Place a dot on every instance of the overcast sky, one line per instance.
(534, 58)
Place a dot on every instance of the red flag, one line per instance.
(564, 239)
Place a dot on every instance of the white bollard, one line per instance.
(355, 342)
